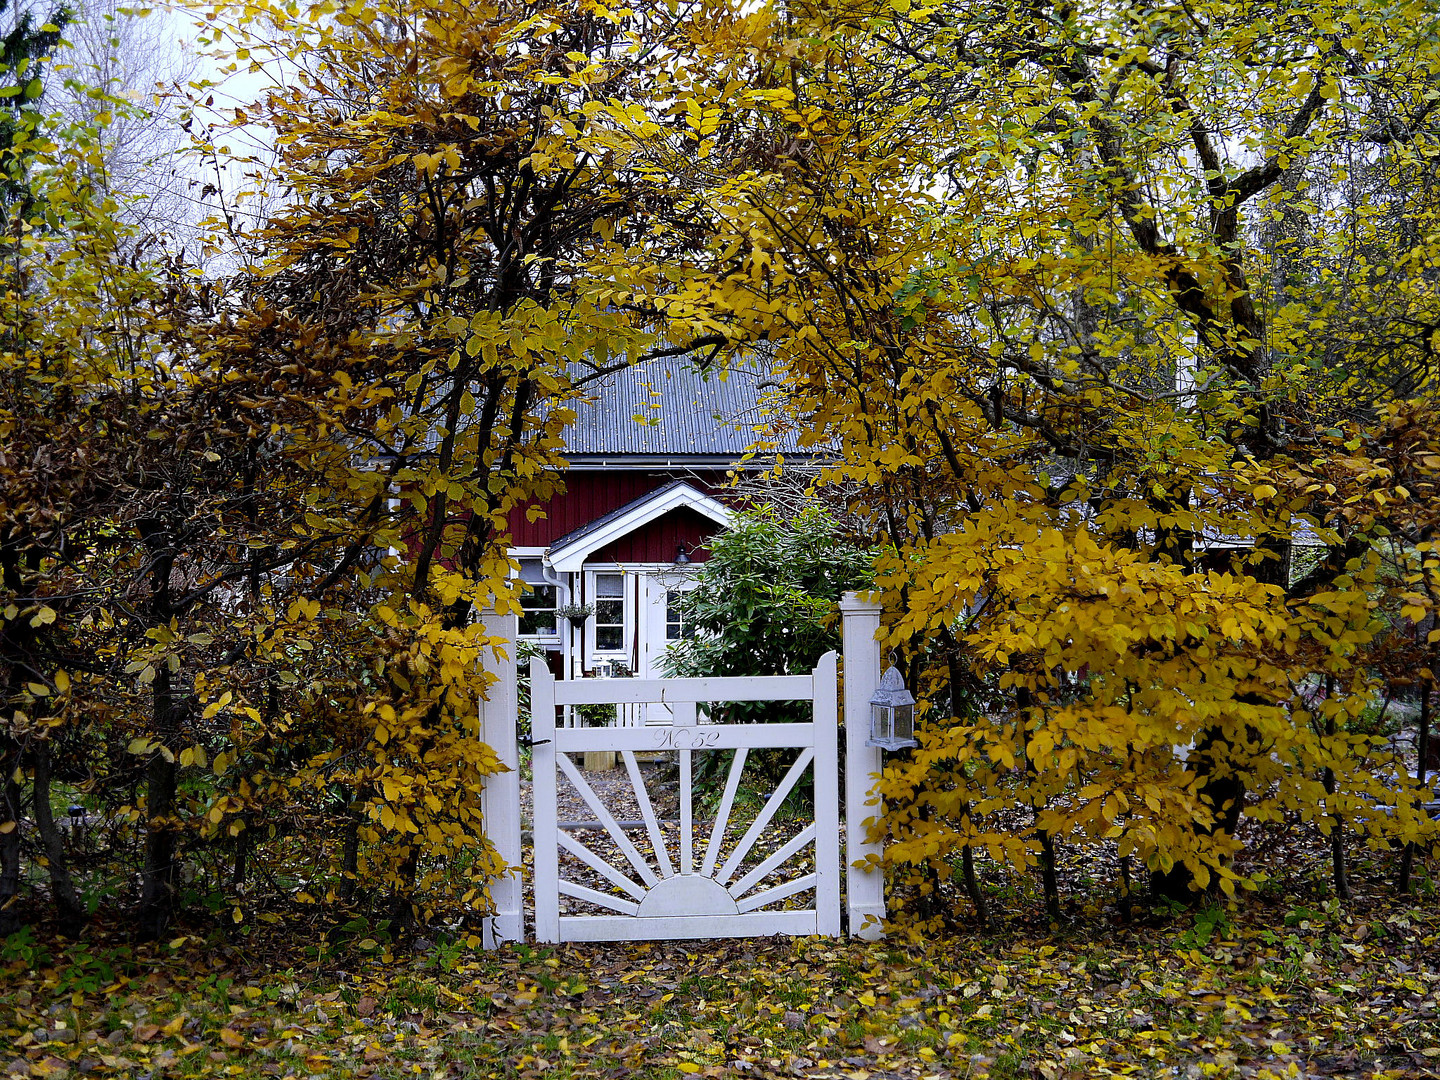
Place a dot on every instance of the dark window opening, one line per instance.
(538, 599)
(537, 611)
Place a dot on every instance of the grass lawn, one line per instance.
(1273, 988)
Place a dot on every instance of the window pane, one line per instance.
(538, 611)
(538, 598)
(675, 627)
(609, 637)
(611, 612)
(538, 622)
(609, 585)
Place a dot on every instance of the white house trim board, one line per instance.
(569, 558)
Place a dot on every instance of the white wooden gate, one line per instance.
(695, 880)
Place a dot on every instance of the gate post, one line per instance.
(500, 792)
(864, 888)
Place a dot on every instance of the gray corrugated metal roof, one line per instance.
(666, 408)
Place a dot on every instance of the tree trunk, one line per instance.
(972, 887)
(350, 853)
(1049, 878)
(16, 643)
(1422, 748)
(242, 852)
(402, 907)
(1226, 795)
(1337, 844)
(956, 672)
(69, 912)
(1429, 758)
(1337, 862)
(1337, 821)
(10, 840)
(1127, 912)
(157, 878)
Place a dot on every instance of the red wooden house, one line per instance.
(650, 463)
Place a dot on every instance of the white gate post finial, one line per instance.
(864, 888)
(500, 792)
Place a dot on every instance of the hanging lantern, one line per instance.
(892, 714)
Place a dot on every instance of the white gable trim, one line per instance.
(570, 558)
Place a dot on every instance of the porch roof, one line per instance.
(568, 553)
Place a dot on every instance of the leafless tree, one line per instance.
(118, 68)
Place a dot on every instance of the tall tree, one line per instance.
(1024, 265)
(453, 180)
(24, 49)
(77, 364)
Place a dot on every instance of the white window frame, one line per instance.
(594, 655)
(677, 591)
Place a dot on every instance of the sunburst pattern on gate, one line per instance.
(676, 876)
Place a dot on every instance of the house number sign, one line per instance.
(685, 738)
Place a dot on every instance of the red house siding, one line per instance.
(657, 542)
(589, 495)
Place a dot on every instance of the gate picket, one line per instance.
(542, 768)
